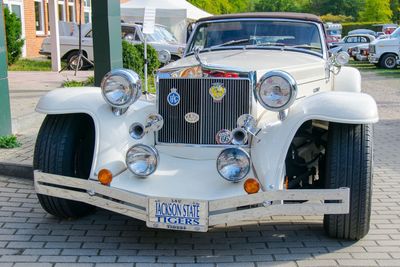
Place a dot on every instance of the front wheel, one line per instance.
(389, 61)
(349, 164)
(65, 146)
(75, 62)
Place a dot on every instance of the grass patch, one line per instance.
(368, 67)
(9, 141)
(72, 83)
(24, 64)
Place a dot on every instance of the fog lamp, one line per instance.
(233, 164)
(142, 160)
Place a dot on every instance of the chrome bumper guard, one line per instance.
(220, 212)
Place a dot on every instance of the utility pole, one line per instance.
(5, 114)
(107, 44)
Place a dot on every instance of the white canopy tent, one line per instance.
(175, 14)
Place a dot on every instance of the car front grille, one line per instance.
(195, 98)
(372, 49)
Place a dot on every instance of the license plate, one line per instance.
(178, 214)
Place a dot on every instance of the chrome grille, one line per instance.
(195, 97)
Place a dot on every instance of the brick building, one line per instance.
(34, 16)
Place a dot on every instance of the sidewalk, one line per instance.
(26, 88)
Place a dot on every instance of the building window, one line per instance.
(87, 11)
(39, 14)
(61, 11)
(71, 11)
(16, 9)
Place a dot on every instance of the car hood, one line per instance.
(303, 67)
(387, 41)
(173, 48)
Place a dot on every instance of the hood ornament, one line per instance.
(197, 51)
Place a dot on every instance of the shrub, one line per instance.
(13, 36)
(133, 58)
(9, 141)
(336, 18)
(349, 26)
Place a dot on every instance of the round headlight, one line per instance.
(142, 160)
(276, 90)
(121, 88)
(233, 164)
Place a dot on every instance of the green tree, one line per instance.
(13, 36)
(395, 6)
(277, 5)
(376, 10)
(337, 7)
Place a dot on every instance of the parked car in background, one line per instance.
(386, 52)
(361, 52)
(161, 40)
(389, 28)
(256, 120)
(362, 31)
(351, 41)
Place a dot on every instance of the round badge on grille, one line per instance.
(217, 91)
(192, 117)
(223, 137)
(174, 97)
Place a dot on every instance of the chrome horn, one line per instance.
(154, 123)
(249, 123)
(239, 136)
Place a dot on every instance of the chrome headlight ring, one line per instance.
(233, 164)
(276, 90)
(142, 160)
(121, 88)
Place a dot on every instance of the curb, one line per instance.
(24, 171)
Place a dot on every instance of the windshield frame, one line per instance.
(323, 54)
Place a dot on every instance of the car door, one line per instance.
(131, 34)
(350, 41)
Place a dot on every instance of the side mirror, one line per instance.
(164, 56)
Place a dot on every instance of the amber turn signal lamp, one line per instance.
(251, 186)
(105, 177)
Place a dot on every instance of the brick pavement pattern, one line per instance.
(31, 237)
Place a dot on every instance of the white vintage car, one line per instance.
(256, 120)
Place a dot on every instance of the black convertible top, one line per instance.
(275, 15)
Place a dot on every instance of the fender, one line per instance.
(108, 127)
(348, 80)
(269, 151)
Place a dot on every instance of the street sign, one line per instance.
(149, 20)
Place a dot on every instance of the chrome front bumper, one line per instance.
(220, 212)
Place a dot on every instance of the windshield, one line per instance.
(161, 35)
(396, 33)
(222, 35)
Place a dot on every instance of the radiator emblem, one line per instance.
(217, 92)
(192, 117)
(173, 97)
(223, 137)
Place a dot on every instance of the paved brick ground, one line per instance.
(30, 237)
